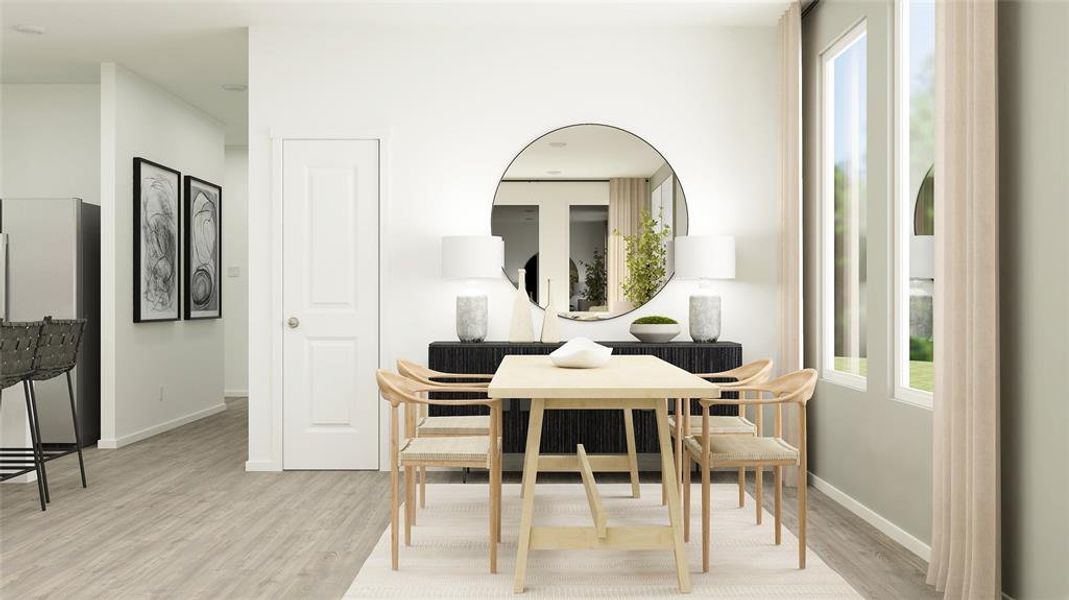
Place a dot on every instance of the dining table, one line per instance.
(623, 383)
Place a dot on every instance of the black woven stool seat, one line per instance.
(57, 352)
(18, 349)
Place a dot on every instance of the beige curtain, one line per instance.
(966, 541)
(790, 36)
(629, 197)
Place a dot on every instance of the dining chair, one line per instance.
(442, 426)
(712, 451)
(752, 373)
(410, 452)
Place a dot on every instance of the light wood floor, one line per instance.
(176, 516)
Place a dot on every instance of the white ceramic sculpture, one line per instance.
(521, 330)
(581, 353)
(550, 322)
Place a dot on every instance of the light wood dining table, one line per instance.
(625, 382)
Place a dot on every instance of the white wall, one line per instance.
(1034, 291)
(51, 141)
(154, 376)
(457, 104)
(50, 149)
(236, 255)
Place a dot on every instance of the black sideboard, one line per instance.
(599, 431)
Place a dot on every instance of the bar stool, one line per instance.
(57, 354)
(18, 351)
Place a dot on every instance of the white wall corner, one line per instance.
(112, 443)
(257, 466)
(896, 533)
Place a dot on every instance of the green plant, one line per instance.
(654, 320)
(922, 349)
(646, 251)
(597, 279)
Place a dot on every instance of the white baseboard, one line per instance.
(262, 465)
(873, 518)
(235, 393)
(148, 432)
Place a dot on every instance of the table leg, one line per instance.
(674, 516)
(530, 475)
(632, 454)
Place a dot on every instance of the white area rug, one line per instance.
(449, 556)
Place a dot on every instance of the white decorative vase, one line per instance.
(550, 322)
(471, 316)
(704, 317)
(521, 329)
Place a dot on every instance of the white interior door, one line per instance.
(330, 198)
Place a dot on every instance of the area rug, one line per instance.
(448, 557)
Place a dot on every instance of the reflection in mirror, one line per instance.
(594, 207)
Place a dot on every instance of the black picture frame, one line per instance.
(157, 210)
(202, 273)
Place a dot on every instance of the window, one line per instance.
(844, 174)
(915, 200)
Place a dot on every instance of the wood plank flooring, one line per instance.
(177, 516)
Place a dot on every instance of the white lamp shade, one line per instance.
(472, 257)
(705, 257)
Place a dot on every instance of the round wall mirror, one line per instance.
(589, 213)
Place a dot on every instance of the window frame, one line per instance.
(903, 215)
(828, 371)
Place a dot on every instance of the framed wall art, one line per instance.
(203, 249)
(156, 239)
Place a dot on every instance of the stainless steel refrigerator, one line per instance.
(52, 268)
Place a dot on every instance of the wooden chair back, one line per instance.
(751, 373)
(793, 387)
(415, 371)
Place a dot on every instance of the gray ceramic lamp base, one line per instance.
(704, 318)
(471, 317)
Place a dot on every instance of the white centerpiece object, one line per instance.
(581, 353)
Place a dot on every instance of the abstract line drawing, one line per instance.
(203, 239)
(156, 235)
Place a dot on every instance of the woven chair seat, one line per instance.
(718, 424)
(729, 449)
(18, 349)
(58, 351)
(446, 450)
(468, 425)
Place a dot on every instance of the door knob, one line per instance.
(293, 323)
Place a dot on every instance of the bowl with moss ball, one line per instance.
(655, 329)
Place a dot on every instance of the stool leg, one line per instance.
(77, 429)
(40, 442)
(33, 438)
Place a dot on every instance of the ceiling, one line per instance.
(588, 152)
(193, 47)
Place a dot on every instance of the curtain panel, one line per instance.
(966, 538)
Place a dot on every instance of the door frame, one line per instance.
(277, 387)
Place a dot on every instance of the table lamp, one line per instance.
(471, 257)
(705, 257)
